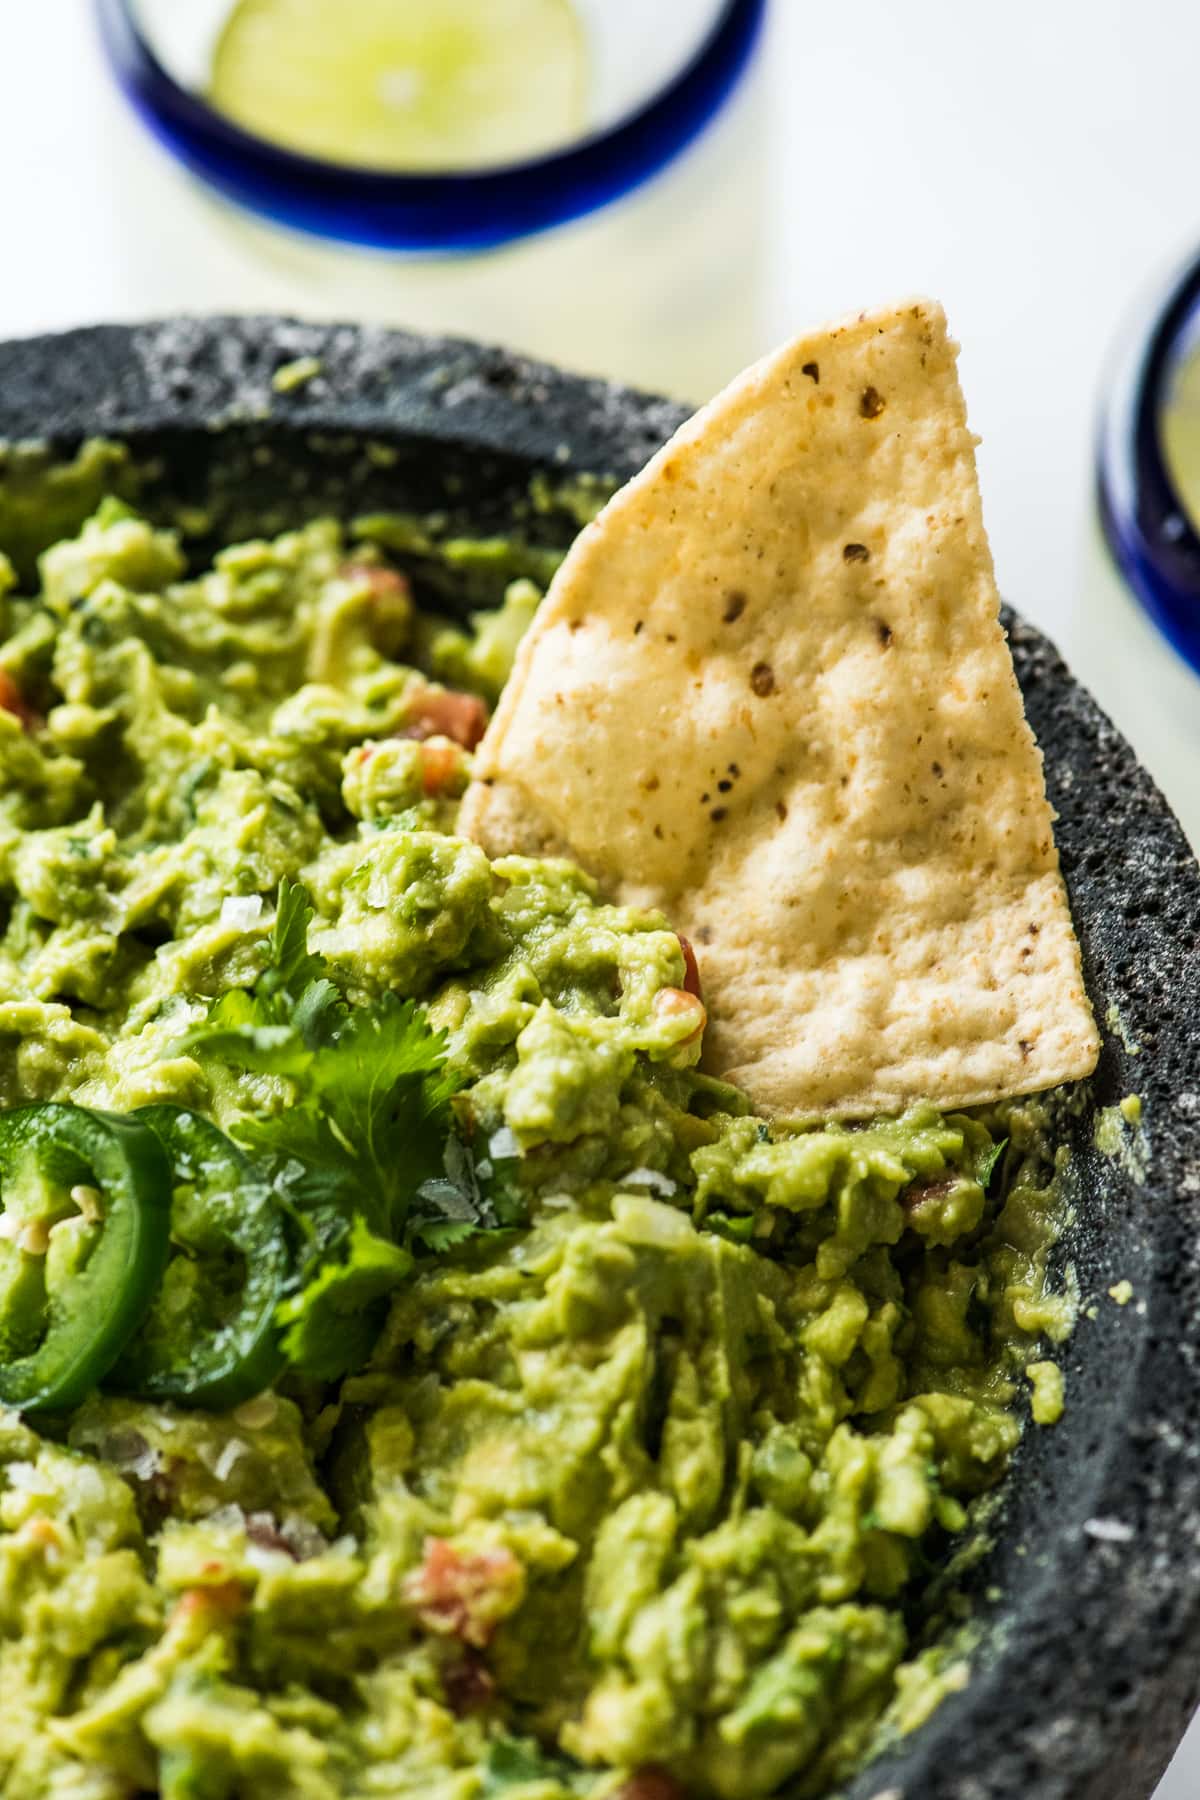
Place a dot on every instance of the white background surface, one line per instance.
(1034, 165)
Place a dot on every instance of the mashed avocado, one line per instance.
(608, 1444)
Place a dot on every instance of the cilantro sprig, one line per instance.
(369, 1114)
(364, 1156)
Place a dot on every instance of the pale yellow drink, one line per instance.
(1181, 432)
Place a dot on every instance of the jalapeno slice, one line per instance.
(86, 1202)
(209, 1338)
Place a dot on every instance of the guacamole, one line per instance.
(498, 1405)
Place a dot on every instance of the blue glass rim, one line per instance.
(1144, 517)
(432, 213)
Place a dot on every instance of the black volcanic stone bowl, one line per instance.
(1089, 1602)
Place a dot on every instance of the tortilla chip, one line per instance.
(769, 693)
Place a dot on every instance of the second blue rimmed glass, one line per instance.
(1144, 507)
(1138, 642)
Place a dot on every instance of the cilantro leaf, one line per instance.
(469, 1195)
(443, 1234)
(519, 1762)
(987, 1161)
(317, 1010)
(330, 1326)
(291, 966)
(239, 1033)
(372, 1111)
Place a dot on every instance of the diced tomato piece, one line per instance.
(13, 701)
(441, 767)
(464, 1595)
(221, 1599)
(650, 1783)
(380, 581)
(43, 1533)
(671, 1004)
(691, 968)
(384, 603)
(444, 712)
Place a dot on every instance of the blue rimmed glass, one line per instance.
(1144, 515)
(442, 213)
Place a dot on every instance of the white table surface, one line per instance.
(1033, 165)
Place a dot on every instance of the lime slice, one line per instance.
(404, 84)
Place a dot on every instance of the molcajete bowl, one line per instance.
(1088, 1602)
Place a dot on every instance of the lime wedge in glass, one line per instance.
(404, 84)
